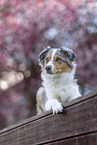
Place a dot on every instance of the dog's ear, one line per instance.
(69, 53)
(43, 55)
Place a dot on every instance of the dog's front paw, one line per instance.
(53, 105)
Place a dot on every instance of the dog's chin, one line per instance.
(49, 73)
(53, 74)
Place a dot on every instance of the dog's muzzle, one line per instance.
(48, 69)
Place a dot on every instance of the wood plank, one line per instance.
(90, 139)
(68, 104)
(79, 117)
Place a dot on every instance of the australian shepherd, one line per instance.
(58, 86)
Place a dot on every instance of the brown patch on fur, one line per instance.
(40, 96)
(45, 63)
(60, 66)
(43, 71)
(42, 56)
(48, 57)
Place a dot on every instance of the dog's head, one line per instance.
(57, 60)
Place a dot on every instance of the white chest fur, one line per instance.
(62, 87)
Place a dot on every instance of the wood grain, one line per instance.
(90, 139)
(76, 126)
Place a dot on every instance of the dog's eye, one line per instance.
(47, 59)
(58, 59)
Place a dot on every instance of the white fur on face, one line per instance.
(51, 61)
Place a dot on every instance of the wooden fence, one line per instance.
(76, 126)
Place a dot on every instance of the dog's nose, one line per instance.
(48, 68)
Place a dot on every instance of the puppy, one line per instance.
(59, 86)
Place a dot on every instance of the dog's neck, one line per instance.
(63, 80)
